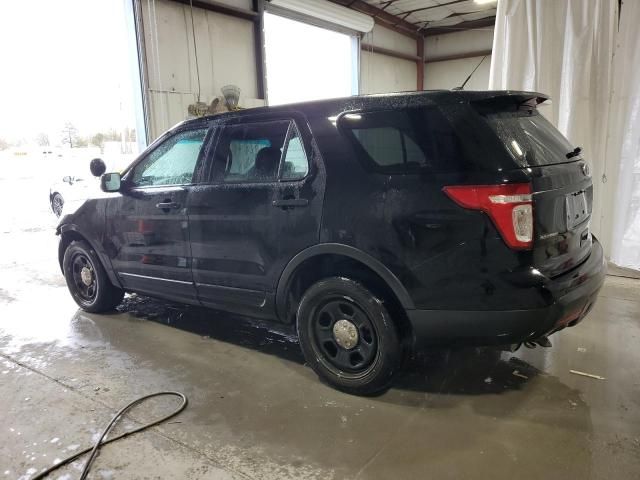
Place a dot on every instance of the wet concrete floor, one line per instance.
(257, 412)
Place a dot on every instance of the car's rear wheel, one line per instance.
(348, 336)
(87, 281)
(57, 204)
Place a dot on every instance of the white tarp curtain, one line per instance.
(575, 51)
(563, 48)
(624, 139)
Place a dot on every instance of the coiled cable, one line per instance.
(99, 443)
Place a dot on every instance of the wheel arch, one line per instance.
(340, 253)
(69, 233)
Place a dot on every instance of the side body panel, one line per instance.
(241, 241)
(445, 256)
(149, 246)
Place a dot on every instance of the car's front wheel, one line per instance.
(57, 204)
(348, 336)
(88, 283)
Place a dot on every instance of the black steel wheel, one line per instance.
(84, 277)
(348, 337)
(344, 334)
(87, 280)
(57, 204)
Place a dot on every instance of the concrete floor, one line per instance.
(257, 412)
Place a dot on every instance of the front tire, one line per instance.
(87, 281)
(57, 204)
(348, 337)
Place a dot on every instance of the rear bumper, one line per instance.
(571, 297)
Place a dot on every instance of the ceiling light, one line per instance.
(484, 2)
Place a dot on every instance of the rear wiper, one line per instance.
(576, 151)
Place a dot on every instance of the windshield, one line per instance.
(530, 138)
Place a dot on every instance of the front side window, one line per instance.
(401, 141)
(260, 152)
(171, 163)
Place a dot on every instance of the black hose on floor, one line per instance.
(96, 447)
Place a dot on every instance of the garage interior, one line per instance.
(256, 411)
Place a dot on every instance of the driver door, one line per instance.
(147, 224)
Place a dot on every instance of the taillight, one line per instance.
(509, 206)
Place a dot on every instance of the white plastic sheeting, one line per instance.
(624, 139)
(563, 48)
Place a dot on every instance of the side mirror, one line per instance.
(110, 182)
(66, 179)
(97, 167)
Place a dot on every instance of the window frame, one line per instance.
(129, 172)
(293, 129)
(208, 175)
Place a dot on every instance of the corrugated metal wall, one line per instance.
(381, 73)
(226, 55)
(225, 48)
(451, 73)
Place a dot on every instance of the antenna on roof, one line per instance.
(461, 87)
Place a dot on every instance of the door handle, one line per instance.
(168, 205)
(290, 202)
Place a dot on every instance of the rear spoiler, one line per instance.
(508, 101)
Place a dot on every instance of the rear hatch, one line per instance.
(562, 190)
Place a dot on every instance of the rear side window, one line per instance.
(401, 141)
(530, 138)
(260, 152)
(295, 164)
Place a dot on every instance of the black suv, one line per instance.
(376, 224)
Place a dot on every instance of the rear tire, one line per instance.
(348, 337)
(87, 280)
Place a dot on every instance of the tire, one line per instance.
(91, 290)
(57, 204)
(360, 363)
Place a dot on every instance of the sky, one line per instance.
(63, 60)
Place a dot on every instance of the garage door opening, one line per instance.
(319, 63)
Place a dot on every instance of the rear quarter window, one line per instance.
(404, 141)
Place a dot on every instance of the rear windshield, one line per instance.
(530, 138)
(404, 141)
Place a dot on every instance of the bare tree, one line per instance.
(42, 139)
(130, 134)
(98, 140)
(69, 134)
(82, 141)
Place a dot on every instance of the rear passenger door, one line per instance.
(260, 205)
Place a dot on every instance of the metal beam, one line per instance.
(258, 47)
(470, 25)
(367, 47)
(222, 8)
(458, 56)
(420, 63)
